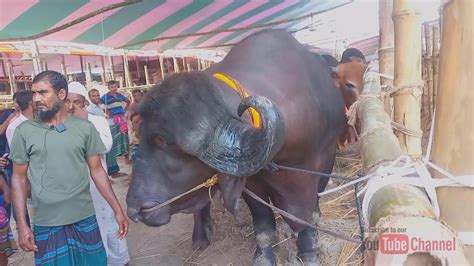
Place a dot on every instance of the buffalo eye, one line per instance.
(158, 140)
(350, 86)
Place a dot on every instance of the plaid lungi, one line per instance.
(120, 141)
(73, 244)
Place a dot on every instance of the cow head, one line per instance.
(189, 133)
(349, 78)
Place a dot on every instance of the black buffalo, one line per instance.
(195, 125)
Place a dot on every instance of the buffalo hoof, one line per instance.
(310, 258)
(264, 257)
(200, 244)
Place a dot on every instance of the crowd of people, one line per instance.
(60, 147)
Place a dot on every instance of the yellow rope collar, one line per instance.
(235, 85)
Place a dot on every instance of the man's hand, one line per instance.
(3, 162)
(26, 239)
(122, 223)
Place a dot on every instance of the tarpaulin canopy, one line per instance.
(128, 25)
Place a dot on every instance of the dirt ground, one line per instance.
(231, 243)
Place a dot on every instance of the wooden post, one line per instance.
(162, 68)
(126, 71)
(453, 144)
(88, 75)
(37, 67)
(175, 65)
(11, 79)
(407, 99)
(184, 64)
(4, 68)
(434, 71)
(428, 78)
(386, 48)
(137, 65)
(147, 76)
(104, 72)
(81, 60)
(63, 65)
(188, 66)
(112, 71)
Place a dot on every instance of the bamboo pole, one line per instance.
(407, 74)
(137, 65)
(126, 71)
(4, 68)
(435, 61)
(81, 61)
(104, 72)
(112, 71)
(396, 208)
(453, 144)
(11, 79)
(175, 65)
(63, 65)
(386, 45)
(88, 75)
(184, 64)
(147, 76)
(162, 68)
(428, 78)
(37, 68)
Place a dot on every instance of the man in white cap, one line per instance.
(116, 249)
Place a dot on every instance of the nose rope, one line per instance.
(211, 181)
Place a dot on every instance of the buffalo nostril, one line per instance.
(133, 214)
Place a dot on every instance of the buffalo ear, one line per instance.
(231, 188)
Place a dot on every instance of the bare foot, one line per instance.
(119, 174)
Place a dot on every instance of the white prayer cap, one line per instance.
(78, 88)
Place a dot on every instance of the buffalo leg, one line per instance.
(264, 227)
(202, 223)
(307, 242)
